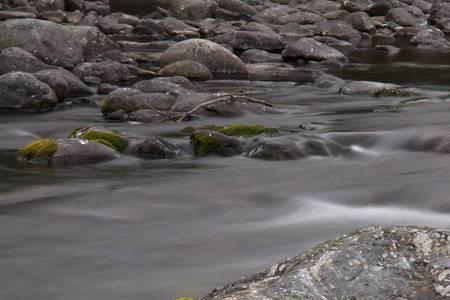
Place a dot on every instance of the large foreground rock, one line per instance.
(53, 43)
(215, 57)
(373, 263)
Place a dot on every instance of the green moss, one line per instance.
(110, 139)
(234, 129)
(205, 144)
(246, 130)
(42, 149)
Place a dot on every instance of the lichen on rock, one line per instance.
(39, 150)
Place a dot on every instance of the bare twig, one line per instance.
(222, 98)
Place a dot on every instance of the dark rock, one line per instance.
(106, 88)
(260, 56)
(111, 26)
(130, 100)
(44, 39)
(144, 116)
(74, 86)
(11, 14)
(99, 7)
(361, 21)
(206, 142)
(431, 39)
(190, 69)
(371, 263)
(77, 152)
(17, 59)
(286, 148)
(23, 92)
(107, 71)
(237, 6)
(440, 14)
(310, 49)
(73, 5)
(156, 148)
(406, 16)
(45, 5)
(244, 40)
(215, 57)
(340, 30)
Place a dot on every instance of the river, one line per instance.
(139, 229)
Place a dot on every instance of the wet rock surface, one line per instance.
(371, 263)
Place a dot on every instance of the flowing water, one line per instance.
(138, 229)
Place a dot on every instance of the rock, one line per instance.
(46, 5)
(44, 39)
(106, 88)
(17, 59)
(181, 9)
(143, 116)
(310, 49)
(106, 71)
(340, 30)
(237, 6)
(130, 100)
(323, 6)
(431, 39)
(377, 89)
(244, 40)
(10, 14)
(190, 69)
(329, 82)
(98, 7)
(215, 57)
(73, 5)
(371, 263)
(423, 5)
(390, 50)
(177, 27)
(164, 85)
(406, 16)
(23, 92)
(440, 14)
(206, 142)
(260, 56)
(110, 26)
(112, 139)
(156, 148)
(66, 152)
(361, 21)
(75, 87)
(286, 148)
(281, 72)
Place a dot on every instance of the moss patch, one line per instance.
(205, 144)
(110, 139)
(42, 149)
(235, 129)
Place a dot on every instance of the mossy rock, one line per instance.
(107, 138)
(205, 143)
(39, 150)
(392, 92)
(235, 130)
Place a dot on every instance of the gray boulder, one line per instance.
(371, 263)
(187, 68)
(106, 71)
(310, 49)
(406, 16)
(440, 14)
(156, 148)
(74, 86)
(216, 58)
(23, 92)
(55, 44)
(260, 56)
(244, 40)
(17, 59)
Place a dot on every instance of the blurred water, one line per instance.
(136, 229)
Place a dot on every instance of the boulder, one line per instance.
(23, 92)
(17, 59)
(106, 71)
(440, 14)
(55, 44)
(371, 263)
(237, 6)
(287, 148)
(244, 40)
(156, 148)
(207, 142)
(216, 58)
(260, 56)
(187, 68)
(74, 86)
(66, 152)
(310, 49)
(406, 16)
